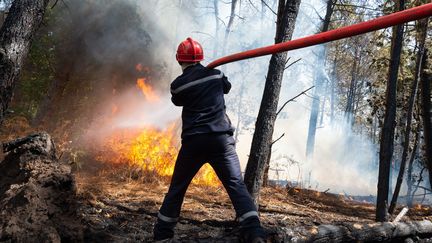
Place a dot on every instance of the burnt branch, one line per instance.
(293, 99)
(264, 2)
(281, 136)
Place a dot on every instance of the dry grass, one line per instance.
(128, 207)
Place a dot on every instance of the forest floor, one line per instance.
(115, 208)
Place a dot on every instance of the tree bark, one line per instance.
(388, 129)
(318, 83)
(229, 25)
(216, 37)
(422, 29)
(358, 232)
(426, 79)
(410, 179)
(262, 138)
(239, 112)
(24, 18)
(349, 109)
(333, 87)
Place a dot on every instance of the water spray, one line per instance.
(397, 18)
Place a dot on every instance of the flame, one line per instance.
(151, 149)
(147, 90)
(421, 207)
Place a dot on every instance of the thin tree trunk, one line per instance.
(426, 79)
(318, 82)
(422, 38)
(410, 171)
(323, 104)
(388, 129)
(229, 26)
(216, 37)
(332, 89)
(24, 18)
(239, 112)
(374, 129)
(264, 126)
(349, 109)
(267, 168)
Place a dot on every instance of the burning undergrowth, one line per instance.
(146, 153)
(141, 134)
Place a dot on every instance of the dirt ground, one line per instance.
(120, 205)
(116, 208)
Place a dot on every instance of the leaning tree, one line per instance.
(24, 18)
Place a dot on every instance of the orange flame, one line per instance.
(147, 90)
(153, 150)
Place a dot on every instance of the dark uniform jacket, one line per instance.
(200, 91)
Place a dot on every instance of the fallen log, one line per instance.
(356, 232)
(37, 193)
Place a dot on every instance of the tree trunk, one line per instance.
(229, 25)
(239, 112)
(24, 18)
(410, 181)
(332, 88)
(262, 138)
(216, 37)
(318, 82)
(349, 108)
(358, 232)
(388, 129)
(267, 168)
(426, 79)
(422, 29)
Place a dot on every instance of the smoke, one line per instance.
(119, 34)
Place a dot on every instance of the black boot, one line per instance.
(163, 230)
(251, 231)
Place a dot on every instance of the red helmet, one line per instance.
(190, 51)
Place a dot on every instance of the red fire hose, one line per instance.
(344, 32)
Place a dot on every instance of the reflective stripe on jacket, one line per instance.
(200, 91)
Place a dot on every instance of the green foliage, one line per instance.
(38, 71)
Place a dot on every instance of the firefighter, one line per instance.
(207, 136)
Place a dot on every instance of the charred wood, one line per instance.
(356, 232)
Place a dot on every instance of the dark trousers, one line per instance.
(219, 151)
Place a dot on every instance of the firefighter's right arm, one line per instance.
(177, 98)
(226, 85)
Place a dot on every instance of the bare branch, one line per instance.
(269, 7)
(292, 63)
(293, 99)
(251, 3)
(356, 6)
(55, 3)
(277, 139)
